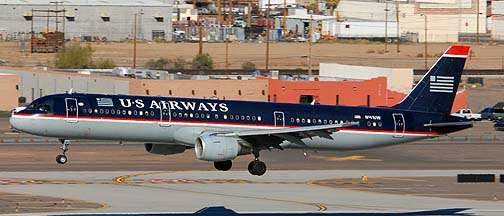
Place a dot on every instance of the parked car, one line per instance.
(499, 125)
(467, 114)
(492, 114)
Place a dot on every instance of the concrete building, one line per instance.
(443, 19)
(497, 20)
(8, 91)
(111, 20)
(398, 79)
(368, 92)
(37, 83)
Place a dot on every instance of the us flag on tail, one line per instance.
(443, 84)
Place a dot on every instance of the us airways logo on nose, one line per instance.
(175, 105)
(443, 84)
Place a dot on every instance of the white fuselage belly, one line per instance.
(186, 133)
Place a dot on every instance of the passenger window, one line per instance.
(225, 117)
(216, 116)
(248, 118)
(303, 120)
(254, 118)
(308, 121)
(259, 118)
(112, 112)
(135, 112)
(231, 117)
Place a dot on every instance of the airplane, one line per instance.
(221, 130)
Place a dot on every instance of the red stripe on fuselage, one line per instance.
(212, 122)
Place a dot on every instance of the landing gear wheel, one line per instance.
(257, 168)
(61, 159)
(223, 165)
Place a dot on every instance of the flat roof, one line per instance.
(144, 3)
(307, 17)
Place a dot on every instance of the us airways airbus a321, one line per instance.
(221, 130)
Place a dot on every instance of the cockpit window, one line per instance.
(42, 105)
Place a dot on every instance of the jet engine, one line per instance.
(164, 149)
(215, 148)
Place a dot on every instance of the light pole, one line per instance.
(267, 35)
(386, 25)
(425, 39)
(310, 48)
(134, 40)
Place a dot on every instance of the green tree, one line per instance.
(105, 64)
(202, 62)
(75, 57)
(159, 64)
(248, 65)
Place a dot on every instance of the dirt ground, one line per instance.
(282, 55)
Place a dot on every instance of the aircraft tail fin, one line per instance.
(436, 91)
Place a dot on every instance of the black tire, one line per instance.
(250, 165)
(61, 159)
(223, 165)
(258, 168)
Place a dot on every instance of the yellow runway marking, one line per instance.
(122, 180)
(400, 179)
(348, 158)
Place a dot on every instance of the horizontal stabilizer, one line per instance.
(449, 124)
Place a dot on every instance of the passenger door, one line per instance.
(399, 125)
(279, 119)
(164, 117)
(72, 110)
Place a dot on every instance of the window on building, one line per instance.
(305, 99)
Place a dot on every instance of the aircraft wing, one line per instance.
(273, 137)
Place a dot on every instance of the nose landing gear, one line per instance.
(62, 159)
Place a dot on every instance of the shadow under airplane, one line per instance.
(223, 211)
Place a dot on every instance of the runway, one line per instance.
(279, 191)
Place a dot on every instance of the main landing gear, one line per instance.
(256, 167)
(62, 159)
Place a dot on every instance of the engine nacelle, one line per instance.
(164, 149)
(215, 148)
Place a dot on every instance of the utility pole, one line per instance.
(249, 15)
(134, 40)
(398, 33)
(477, 20)
(386, 25)
(230, 12)
(267, 35)
(316, 9)
(310, 48)
(425, 41)
(219, 11)
(227, 53)
(200, 51)
(284, 18)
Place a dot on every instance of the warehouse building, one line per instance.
(444, 20)
(105, 20)
(355, 92)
